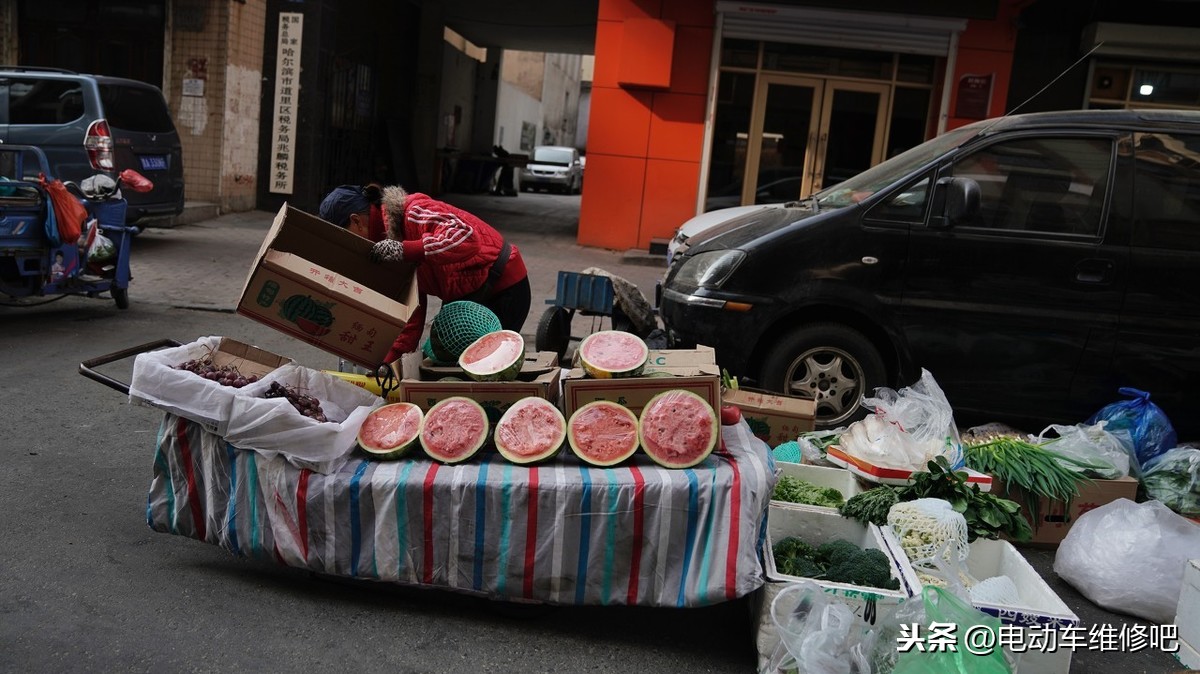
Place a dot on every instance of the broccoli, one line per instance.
(793, 547)
(794, 490)
(835, 552)
(794, 557)
(869, 568)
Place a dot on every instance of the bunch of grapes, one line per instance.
(224, 375)
(305, 404)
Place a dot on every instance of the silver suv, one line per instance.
(89, 124)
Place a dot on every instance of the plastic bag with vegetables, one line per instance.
(910, 428)
(1091, 443)
(1174, 479)
(1152, 431)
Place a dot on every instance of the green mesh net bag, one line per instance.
(455, 327)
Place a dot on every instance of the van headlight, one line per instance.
(709, 270)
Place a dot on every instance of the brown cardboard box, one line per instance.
(635, 392)
(669, 360)
(246, 359)
(773, 418)
(537, 363)
(1056, 519)
(315, 281)
(494, 396)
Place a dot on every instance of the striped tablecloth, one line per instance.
(561, 533)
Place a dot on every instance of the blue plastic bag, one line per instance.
(1152, 431)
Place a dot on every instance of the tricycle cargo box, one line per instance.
(315, 281)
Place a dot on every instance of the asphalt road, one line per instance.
(85, 585)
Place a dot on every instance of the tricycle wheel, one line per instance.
(554, 331)
(121, 297)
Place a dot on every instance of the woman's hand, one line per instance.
(388, 250)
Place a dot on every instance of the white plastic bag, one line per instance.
(910, 428)
(818, 634)
(1091, 444)
(1129, 557)
(273, 426)
(156, 381)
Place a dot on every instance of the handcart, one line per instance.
(32, 265)
(589, 295)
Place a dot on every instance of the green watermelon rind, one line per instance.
(511, 412)
(574, 445)
(596, 372)
(663, 461)
(479, 444)
(399, 451)
(507, 373)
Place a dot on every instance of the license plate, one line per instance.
(153, 163)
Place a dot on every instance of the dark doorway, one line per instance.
(121, 38)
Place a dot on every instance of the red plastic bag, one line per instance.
(69, 213)
(135, 181)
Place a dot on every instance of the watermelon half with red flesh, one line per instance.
(530, 430)
(496, 356)
(603, 433)
(455, 429)
(678, 429)
(609, 354)
(390, 431)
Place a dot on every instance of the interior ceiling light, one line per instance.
(1146, 89)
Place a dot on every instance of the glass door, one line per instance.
(807, 133)
(784, 127)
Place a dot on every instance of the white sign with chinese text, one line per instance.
(287, 99)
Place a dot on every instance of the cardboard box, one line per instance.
(773, 418)
(495, 397)
(1056, 518)
(366, 381)
(893, 476)
(1187, 615)
(822, 476)
(663, 360)
(537, 363)
(635, 392)
(158, 384)
(315, 281)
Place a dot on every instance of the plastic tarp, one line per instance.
(559, 533)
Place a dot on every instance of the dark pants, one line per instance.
(511, 305)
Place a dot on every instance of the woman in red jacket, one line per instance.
(458, 257)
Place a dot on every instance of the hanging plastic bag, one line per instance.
(1129, 557)
(1092, 444)
(101, 250)
(135, 181)
(910, 428)
(1152, 431)
(942, 606)
(1173, 477)
(68, 211)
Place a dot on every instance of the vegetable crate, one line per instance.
(821, 476)
(586, 294)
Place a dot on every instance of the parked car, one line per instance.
(555, 168)
(89, 124)
(1033, 264)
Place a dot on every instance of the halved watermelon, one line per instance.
(390, 431)
(603, 433)
(455, 429)
(678, 429)
(531, 430)
(613, 353)
(496, 356)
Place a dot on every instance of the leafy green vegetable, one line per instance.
(794, 490)
(870, 568)
(987, 515)
(1034, 469)
(871, 505)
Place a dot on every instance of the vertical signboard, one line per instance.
(287, 99)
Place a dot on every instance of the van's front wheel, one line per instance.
(827, 362)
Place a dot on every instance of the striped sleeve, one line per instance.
(444, 236)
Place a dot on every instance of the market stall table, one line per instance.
(560, 533)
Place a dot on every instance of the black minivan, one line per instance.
(89, 124)
(1033, 264)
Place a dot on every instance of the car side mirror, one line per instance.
(959, 202)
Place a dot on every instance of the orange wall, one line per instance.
(644, 143)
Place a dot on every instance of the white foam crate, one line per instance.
(822, 476)
(1187, 616)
